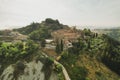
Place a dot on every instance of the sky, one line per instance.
(97, 13)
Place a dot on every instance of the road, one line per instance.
(63, 70)
(65, 73)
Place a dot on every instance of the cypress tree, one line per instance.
(61, 45)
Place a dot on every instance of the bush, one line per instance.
(58, 68)
(20, 65)
(18, 69)
(49, 61)
(17, 50)
(51, 21)
(64, 55)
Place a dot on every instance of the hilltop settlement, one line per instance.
(65, 53)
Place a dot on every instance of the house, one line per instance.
(49, 44)
(67, 36)
(48, 41)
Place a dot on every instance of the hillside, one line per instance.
(112, 32)
(96, 58)
(24, 60)
(38, 31)
(85, 55)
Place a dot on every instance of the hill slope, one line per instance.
(37, 31)
(91, 57)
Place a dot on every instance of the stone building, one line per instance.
(66, 35)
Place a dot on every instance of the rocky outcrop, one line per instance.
(26, 71)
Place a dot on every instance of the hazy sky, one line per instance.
(71, 12)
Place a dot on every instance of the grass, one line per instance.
(96, 69)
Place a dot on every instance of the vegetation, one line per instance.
(15, 51)
(12, 52)
(111, 57)
(75, 72)
(38, 31)
(80, 73)
(59, 47)
(19, 69)
(58, 69)
(47, 67)
(101, 47)
(114, 33)
(43, 42)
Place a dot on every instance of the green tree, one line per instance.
(87, 32)
(58, 48)
(31, 47)
(61, 45)
(43, 42)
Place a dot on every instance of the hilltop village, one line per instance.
(67, 36)
(57, 52)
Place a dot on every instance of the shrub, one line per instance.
(58, 68)
(49, 61)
